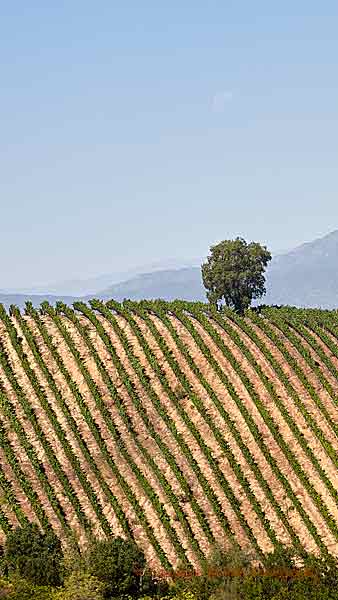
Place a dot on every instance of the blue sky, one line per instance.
(134, 131)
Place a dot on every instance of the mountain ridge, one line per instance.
(306, 276)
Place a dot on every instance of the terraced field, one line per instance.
(172, 424)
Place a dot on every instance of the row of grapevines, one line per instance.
(265, 380)
(100, 307)
(282, 322)
(89, 314)
(88, 419)
(144, 379)
(161, 411)
(273, 428)
(200, 316)
(156, 309)
(320, 327)
(14, 463)
(9, 410)
(251, 423)
(140, 513)
(69, 418)
(261, 321)
(30, 414)
(216, 432)
(5, 525)
(310, 327)
(208, 490)
(9, 497)
(330, 326)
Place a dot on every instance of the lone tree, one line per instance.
(234, 273)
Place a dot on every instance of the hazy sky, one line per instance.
(139, 130)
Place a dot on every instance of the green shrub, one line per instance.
(33, 555)
(80, 586)
(21, 589)
(120, 565)
(314, 579)
(235, 575)
(214, 582)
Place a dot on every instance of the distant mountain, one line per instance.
(93, 285)
(306, 276)
(185, 284)
(168, 284)
(20, 299)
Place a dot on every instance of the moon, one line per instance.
(220, 99)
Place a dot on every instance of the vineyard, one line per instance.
(172, 424)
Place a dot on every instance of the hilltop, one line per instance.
(171, 424)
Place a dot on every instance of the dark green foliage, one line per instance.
(121, 566)
(234, 273)
(116, 569)
(33, 555)
(313, 579)
(222, 577)
(286, 575)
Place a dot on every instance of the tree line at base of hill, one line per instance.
(33, 566)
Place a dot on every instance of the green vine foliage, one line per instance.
(139, 384)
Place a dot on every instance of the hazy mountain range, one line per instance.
(305, 276)
(95, 285)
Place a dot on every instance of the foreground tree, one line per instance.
(234, 273)
(121, 566)
(33, 555)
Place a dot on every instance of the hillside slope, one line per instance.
(176, 426)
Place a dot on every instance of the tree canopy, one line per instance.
(234, 273)
(34, 555)
(120, 565)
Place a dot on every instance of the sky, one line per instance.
(135, 131)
